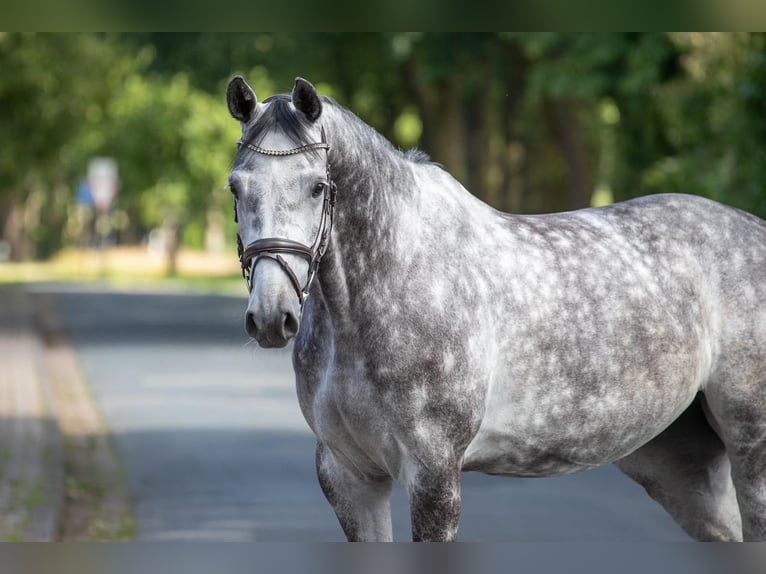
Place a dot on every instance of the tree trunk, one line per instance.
(13, 229)
(570, 139)
(515, 175)
(413, 82)
(512, 160)
(441, 112)
(21, 221)
(449, 146)
(173, 230)
(480, 126)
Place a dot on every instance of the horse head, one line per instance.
(284, 199)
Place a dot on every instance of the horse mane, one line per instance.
(418, 156)
(281, 115)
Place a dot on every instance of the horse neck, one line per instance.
(376, 183)
(372, 176)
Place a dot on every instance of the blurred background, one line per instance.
(132, 404)
(528, 122)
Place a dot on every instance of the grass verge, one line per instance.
(96, 505)
(132, 268)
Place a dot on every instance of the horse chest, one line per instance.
(346, 415)
(376, 423)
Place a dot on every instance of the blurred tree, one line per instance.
(571, 78)
(174, 144)
(529, 122)
(53, 92)
(748, 174)
(65, 98)
(713, 122)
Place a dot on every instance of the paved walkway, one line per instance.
(215, 447)
(30, 445)
(60, 478)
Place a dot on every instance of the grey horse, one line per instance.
(439, 335)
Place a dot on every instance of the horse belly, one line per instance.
(539, 434)
(514, 452)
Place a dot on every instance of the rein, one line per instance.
(271, 247)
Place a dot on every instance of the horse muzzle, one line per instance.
(275, 333)
(273, 313)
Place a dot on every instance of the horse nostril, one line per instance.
(289, 326)
(250, 327)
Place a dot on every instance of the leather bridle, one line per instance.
(271, 247)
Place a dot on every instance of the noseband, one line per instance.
(271, 247)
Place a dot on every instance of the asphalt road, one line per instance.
(215, 447)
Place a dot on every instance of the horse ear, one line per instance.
(306, 99)
(241, 99)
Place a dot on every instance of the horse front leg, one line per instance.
(434, 495)
(361, 503)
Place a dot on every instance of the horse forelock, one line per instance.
(280, 115)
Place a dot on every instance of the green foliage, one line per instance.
(67, 98)
(174, 145)
(53, 91)
(530, 122)
(709, 122)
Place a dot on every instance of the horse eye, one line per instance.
(319, 189)
(234, 191)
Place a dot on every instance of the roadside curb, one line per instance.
(31, 477)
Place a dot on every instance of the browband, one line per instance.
(295, 150)
(278, 152)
